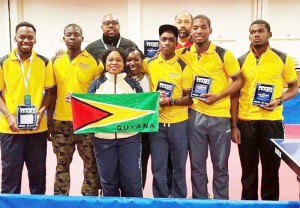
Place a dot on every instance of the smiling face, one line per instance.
(73, 37)
(25, 38)
(114, 63)
(110, 26)
(259, 35)
(201, 31)
(134, 62)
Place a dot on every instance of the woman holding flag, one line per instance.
(118, 154)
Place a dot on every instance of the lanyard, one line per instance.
(118, 44)
(27, 76)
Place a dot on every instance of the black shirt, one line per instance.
(97, 47)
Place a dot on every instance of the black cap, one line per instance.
(171, 28)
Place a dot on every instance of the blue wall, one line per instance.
(291, 111)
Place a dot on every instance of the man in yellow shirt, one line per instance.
(209, 116)
(166, 74)
(73, 71)
(24, 78)
(257, 113)
(183, 21)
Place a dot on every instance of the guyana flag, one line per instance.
(113, 113)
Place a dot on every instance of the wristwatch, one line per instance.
(280, 100)
(172, 102)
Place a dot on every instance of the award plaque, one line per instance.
(26, 117)
(201, 86)
(263, 94)
(166, 87)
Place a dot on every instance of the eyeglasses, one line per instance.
(113, 23)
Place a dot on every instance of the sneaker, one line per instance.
(210, 196)
(170, 196)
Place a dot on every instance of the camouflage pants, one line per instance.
(64, 145)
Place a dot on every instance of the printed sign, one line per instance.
(201, 86)
(26, 117)
(263, 94)
(166, 87)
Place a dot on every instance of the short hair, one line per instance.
(263, 22)
(131, 49)
(202, 16)
(26, 24)
(110, 14)
(73, 25)
(107, 52)
(185, 12)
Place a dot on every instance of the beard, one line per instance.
(258, 45)
(183, 33)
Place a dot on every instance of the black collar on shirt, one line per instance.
(113, 41)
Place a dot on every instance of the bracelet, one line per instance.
(172, 102)
(168, 102)
(233, 127)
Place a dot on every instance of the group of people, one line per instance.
(114, 162)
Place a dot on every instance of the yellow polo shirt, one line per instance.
(73, 77)
(210, 65)
(13, 87)
(171, 71)
(269, 70)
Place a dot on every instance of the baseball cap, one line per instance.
(167, 27)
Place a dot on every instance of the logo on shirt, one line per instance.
(173, 75)
(84, 66)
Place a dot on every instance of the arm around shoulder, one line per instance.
(93, 86)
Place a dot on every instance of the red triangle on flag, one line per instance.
(86, 114)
